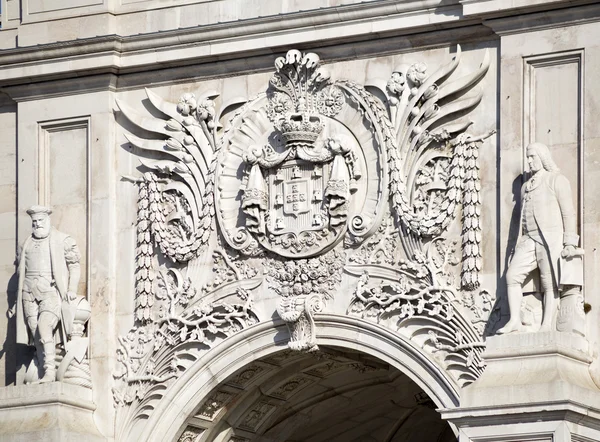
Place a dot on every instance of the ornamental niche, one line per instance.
(315, 183)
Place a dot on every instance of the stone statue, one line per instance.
(49, 272)
(548, 233)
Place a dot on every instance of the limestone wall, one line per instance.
(8, 215)
(70, 72)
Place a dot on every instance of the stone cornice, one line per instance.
(260, 37)
(114, 79)
(219, 43)
(568, 410)
(503, 8)
(543, 20)
(382, 10)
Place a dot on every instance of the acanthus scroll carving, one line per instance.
(182, 322)
(433, 173)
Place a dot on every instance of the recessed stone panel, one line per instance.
(64, 181)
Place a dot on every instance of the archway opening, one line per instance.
(334, 395)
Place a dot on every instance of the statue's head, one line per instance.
(40, 221)
(538, 157)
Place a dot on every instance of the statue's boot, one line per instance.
(515, 296)
(550, 311)
(49, 362)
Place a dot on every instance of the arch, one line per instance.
(184, 396)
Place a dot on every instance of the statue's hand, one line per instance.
(71, 296)
(11, 312)
(568, 251)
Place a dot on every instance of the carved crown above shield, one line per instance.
(302, 167)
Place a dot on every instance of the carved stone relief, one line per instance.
(214, 404)
(159, 350)
(309, 166)
(191, 434)
(304, 285)
(51, 316)
(313, 183)
(548, 243)
(290, 387)
(248, 375)
(407, 277)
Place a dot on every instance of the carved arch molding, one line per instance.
(317, 188)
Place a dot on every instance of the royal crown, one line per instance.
(301, 128)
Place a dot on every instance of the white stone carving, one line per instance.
(175, 209)
(429, 314)
(548, 242)
(433, 163)
(50, 314)
(406, 272)
(178, 214)
(181, 324)
(301, 179)
(299, 156)
(305, 166)
(304, 285)
(174, 320)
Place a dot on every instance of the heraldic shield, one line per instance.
(302, 166)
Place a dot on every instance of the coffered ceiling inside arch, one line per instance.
(331, 395)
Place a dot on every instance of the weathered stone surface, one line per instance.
(305, 244)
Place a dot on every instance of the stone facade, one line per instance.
(296, 221)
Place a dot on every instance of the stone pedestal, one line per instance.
(536, 387)
(47, 412)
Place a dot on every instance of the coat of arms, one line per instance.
(300, 167)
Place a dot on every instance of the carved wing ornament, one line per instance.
(186, 152)
(314, 177)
